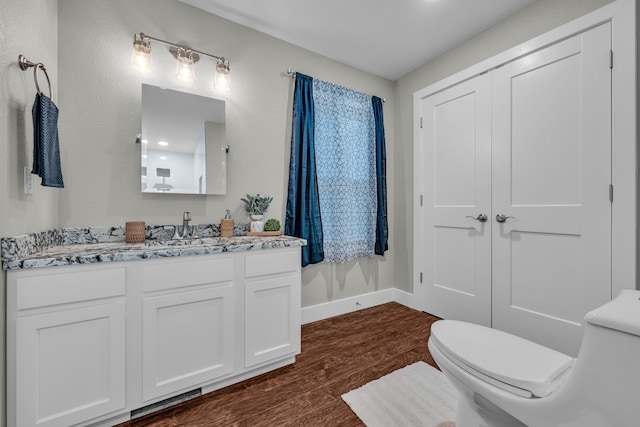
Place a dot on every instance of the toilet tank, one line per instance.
(621, 314)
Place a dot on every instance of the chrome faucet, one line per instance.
(186, 218)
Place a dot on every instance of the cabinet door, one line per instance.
(551, 173)
(187, 339)
(456, 180)
(272, 318)
(70, 365)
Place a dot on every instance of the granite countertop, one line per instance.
(56, 251)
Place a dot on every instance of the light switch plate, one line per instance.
(28, 181)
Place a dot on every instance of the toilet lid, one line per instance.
(503, 357)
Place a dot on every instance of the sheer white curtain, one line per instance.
(345, 149)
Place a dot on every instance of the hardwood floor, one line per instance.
(338, 355)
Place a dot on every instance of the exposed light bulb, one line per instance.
(141, 57)
(222, 80)
(185, 70)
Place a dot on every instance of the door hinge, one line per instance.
(420, 122)
(421, 200)
(611, 193)
(611, 59)
(421, 277)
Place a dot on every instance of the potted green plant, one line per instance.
(272, 224)
(256, 206)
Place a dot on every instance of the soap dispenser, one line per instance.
(226, 225)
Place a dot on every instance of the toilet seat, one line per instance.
(506, 361)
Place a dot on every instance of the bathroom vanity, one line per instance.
(91, 343)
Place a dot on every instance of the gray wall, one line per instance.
(27, 27)
(540, 17)
(100, 116)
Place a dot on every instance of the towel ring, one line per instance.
(25, 64)
(35, 78)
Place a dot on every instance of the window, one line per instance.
(337, 185)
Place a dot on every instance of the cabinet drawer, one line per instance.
(279, 261)
(60, 288)
(172, 275)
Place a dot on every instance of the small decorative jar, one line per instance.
(134, 232)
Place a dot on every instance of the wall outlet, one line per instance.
(28, 181)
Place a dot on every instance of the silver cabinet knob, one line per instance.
(503, 218)
(480, 217)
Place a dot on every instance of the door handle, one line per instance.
(481, 217)
(503, 218)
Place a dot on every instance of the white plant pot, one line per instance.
(257, 224)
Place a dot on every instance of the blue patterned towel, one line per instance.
(46, 150)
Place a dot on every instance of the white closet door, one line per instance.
(551, 172)
(456, 262)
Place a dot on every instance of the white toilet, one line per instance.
(505, 380)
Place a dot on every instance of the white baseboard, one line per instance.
(347, 305)
(407, 299)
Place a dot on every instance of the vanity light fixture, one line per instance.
(186, 59)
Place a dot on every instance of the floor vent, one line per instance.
(141, 412)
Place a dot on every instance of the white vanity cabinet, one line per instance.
(88, 344)
(65, 345)
(188, 323)
(272, 306)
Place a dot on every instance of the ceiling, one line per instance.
(387, 38)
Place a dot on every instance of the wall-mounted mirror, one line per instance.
(183, 145)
